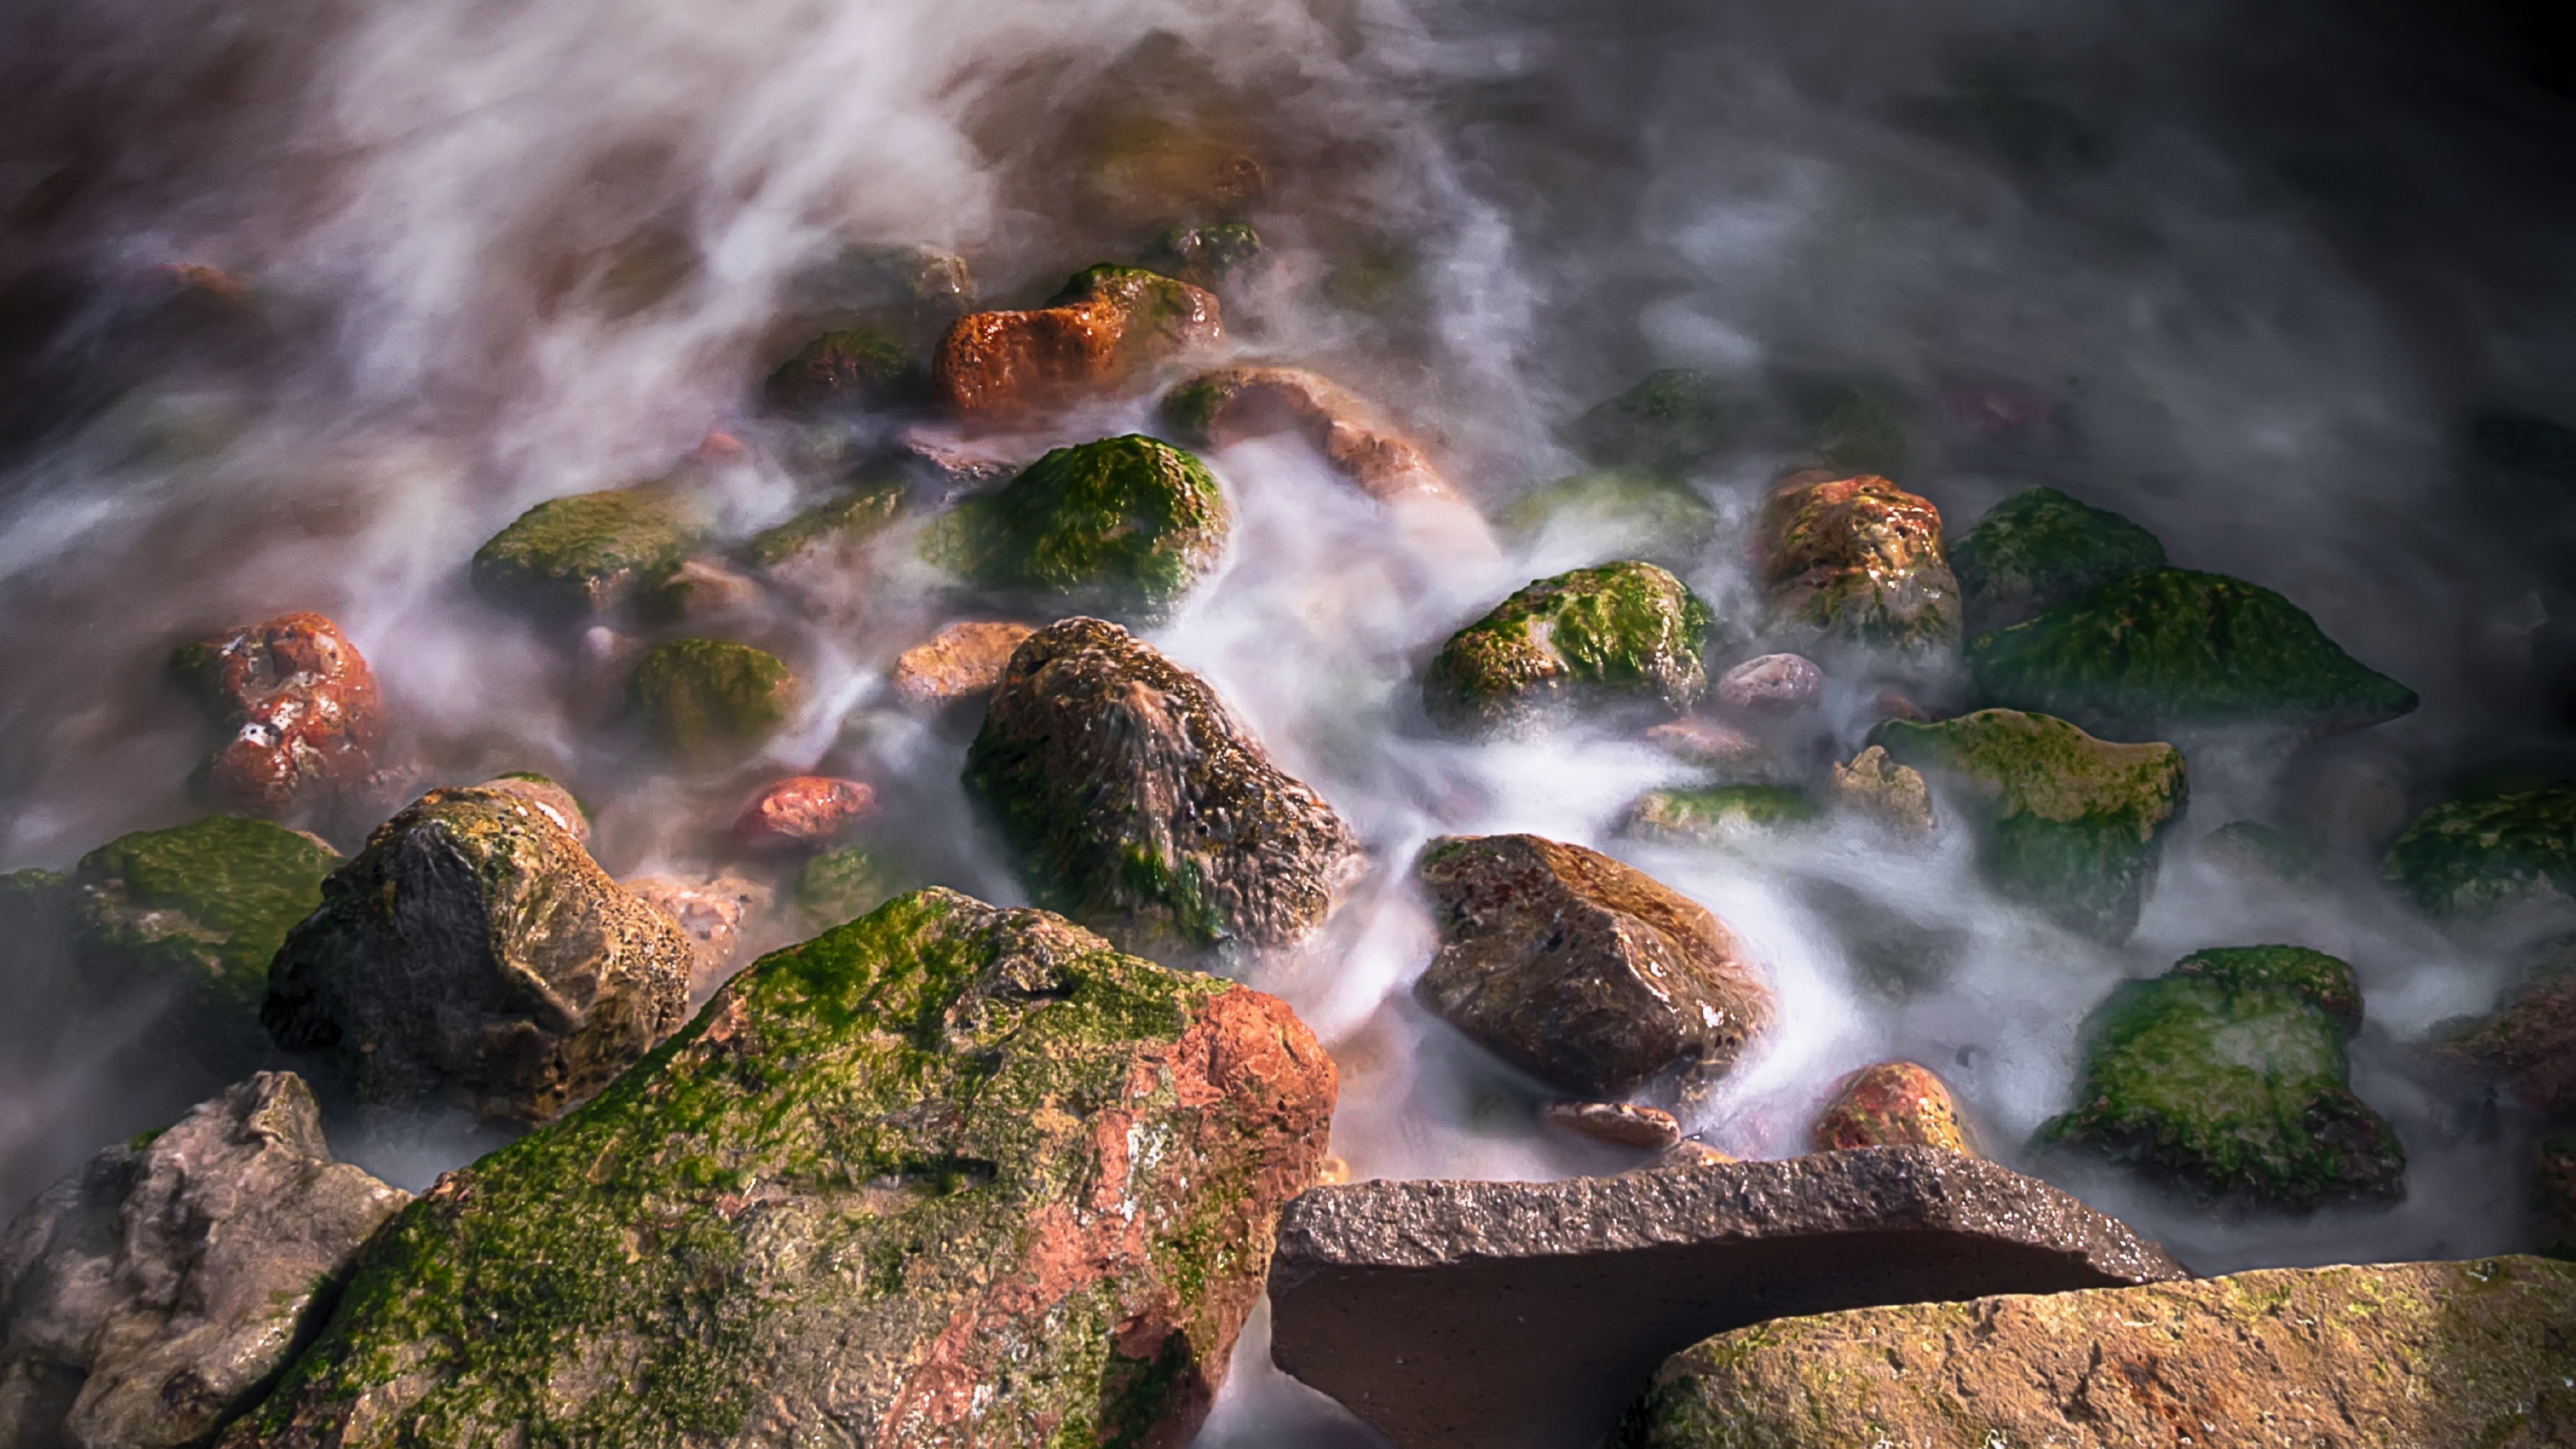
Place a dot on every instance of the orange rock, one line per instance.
(1893, 1104)
(1620, 1124)
(1221, 408)
(961, 662)
(1107, 328)
(1858, 559)
(803, 812)
(302, 707)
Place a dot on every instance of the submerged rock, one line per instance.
(1142, 808)
(1893, 1104)
(302, 710)
(1207, 256)
(1588, 974)
(2481, 853)
(1857, 561)
(2037, 550)
(1124, 525)
(1234, 404)
(839, 885)
(803, 812)
(1712, 813)
(1529, 1313)
(2387, 1356)
(1643, 514)
(1619, 1124)
(2226, 1076)
(1665, 423)
(1107, 329)
(152, 1294)
(710, 700)
(2070, 823)
(1771, 684)
(1622, 633)
(849, 369)
(2252, 850)
(958, 665)
(831, 533)
(1722, 747)
(473, 951)
(588, 553)
(2151, 652)
(946, 1175)
(1896, 796)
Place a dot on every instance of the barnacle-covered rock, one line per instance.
(1625, 632)
(2037, 550)
(1108, 329)
(587, 553)
(2483, 852)
(1126, 526)
(1857, 560)
(300, 708)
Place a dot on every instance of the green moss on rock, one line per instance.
(1716, 812)
(588, 552)
(844, 522)
(1206, 256)
(848, 369)
(839, 885)
(2479, 853)
(1623, 632)
(2037, 550)
(709, 699)
(1667, 422)
(1650, 513)
(1125, 526)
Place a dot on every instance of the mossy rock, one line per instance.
(1149, 300)
(2068, 822)
(2226, 1077)
(2169, 649)
(1650, 513)
(848, 369)
(1858, 431)
(1125, 526)
(589, 552)
(962, 1170)
(710, 699)
(2037, 550)
(2472, 855)
(1206, 256)
(846, 522)
(1718, 812)
(1626, 632)
(1669, 421)
(839, 885)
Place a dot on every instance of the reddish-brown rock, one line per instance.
(1771, 684)
(302, 707)
(1857, 560)
(1221, 408)
(1620, 1124)
(960, 663)
(1893, 1104)
(803, 812)
(1108, 328)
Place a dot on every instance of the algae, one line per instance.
(861, 514)
(587, 552)
(1667, 422)
(1623, 632)
(2482, 852)
(709, 699)
(1650, 512)
(2039, 549)
(1716, 812)
(1126, 526)
(846, 369)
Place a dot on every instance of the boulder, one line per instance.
(2384, 1356)
(552, 800)
(2481, 853)
(2226, 1078)
(474, 952)
(1529, 1313)
(1856, 560)
(2068, 822)
(1110, 328)
(301, 710)
(958, 665)
(1141, 807)
(700, 589)
(1233, 404)
(803, 812)
(1619, 1124)
(589, 553)
(1771, 684)
(1667, 422)
(156, 1291)
(1893, 1104)
(1623, 633)
(2151, 652)
(829, 535)
(711, 700)
(846, 370)
(1896, 796)
(947, 1175)
(2037, 550)
(1208, 256)
(1125, 525)
(710, 910)
(1588, 974)
(1708, 814)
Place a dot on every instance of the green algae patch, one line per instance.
(845, 522)
(1718, 812)
(2170, 648)
(947, 1173)
(1649, 512)
(1626, 632)
(2067, 822)
(847, 369)
(586, 553)
(2037, 550)
(1668, 421)
(2226, 1077)
(1125, 526)
(839, 885)
(2477, 854)
(709, 699)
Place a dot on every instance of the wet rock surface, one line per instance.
(2037, 550)
(828, 538)
(1893, 1104)
(2530, 1040)
(1896, 796)
(1231, 405)
(1643, 514)
(947, 1175)
(588, 553)
(1771, 684)
(1857, 561)
(2482, 853)
(552, 800)
(1142, 808)
(1586, 973)
(803, 812)
(1124, 526)
(473, 952)
(156, 1291)
(712, 700)
(1109, 328)
(1619, 1124)
(958, 665)
(847, 369)
(301, 710)
(1623, 633)
(1510, 1313)
(2384, 1356)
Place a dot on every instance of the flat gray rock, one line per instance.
(1509, 1314)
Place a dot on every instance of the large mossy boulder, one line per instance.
(2067, 822)
(588, 553)
(2226, 1078)
(2037, 550)
(474, 952)
(2484, 852)
(2166, 649)
(945, 1175)
(711, 700)
(2382, 1356)
(1123, 526)
(1856, 561)
(1623, 633)
(1142, 808)
(1667, 422)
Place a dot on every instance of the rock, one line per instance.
(1714, 813)
(2148, 653)
(1529, 1313)
(552, 800)
(831, 532)
(803, 812)
(839, 885)
(959, 665)
(1620, 1124)
(1722, 747)
(1891, 705)
(152, 1294)
(1896, 796)
(193, 914)
(703, 589)
(1139, 805)
(1857, 561)
(1207, 256)
(2069, 823)
(1233, 404)
(1622, 633)
(955, 465)
(2037, 550)
(1667, 422)
(589, 553)
(302, 710)
(910, 293)
(1771, 684)
(1893, 1104)
(2482, 853)
(946, 1175)
(2555, 1169)
(1124, 525)
(709, 700)
(2387, 1356)
(1649, 515)
(1688, 1153)
(2531, 1040)
(1110, 328)
(848, 370)
(1588, 974)
(474, 952)
(711, 911)
(2226, 1077)
(1856, 431)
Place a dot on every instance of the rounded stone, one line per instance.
(1893, 1104)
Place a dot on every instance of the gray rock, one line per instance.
(1497, 1314)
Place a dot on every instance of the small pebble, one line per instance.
(1621, 1124)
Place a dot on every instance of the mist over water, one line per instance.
(2237, 272)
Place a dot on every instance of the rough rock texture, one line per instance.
(1232, 404)
(1620, 1124)
(712, 700)
(1858, 561)
(474, 951)
(947, 1175)
(552, 800)
(301, 709)
(1667, 422)
(1771, 684)
(2226, 1076)
(2531, 1040)
(1528, 1313)
(1126, 526)
(587, 553)
(1142, 808)
(1109, 328)
(2036, 550)
(2151, 652)
(845, 370)
(2070, 823)
(958, 665)
(1895, 795)
(711, 910)
(155, 1292)
(1688, 1153)
(1625, 632)
(2466, 856)
(1712, 813)
(2387, 1356)
(829, 534)
(1893, 1104)
(1588, 974)
(803, 812)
